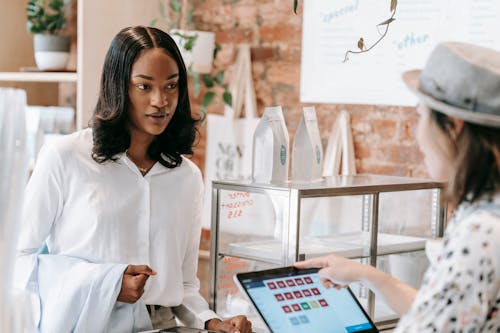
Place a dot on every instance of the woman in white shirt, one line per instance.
(118, 206)
(459, 135)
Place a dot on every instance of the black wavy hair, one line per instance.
(110, 134)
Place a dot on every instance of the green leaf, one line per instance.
(45, 16)
(207, 80)
(153, 23)
(228, 98)
(189, 17)
(190, 41)
(207, 99)
(388, 21)
(196, 83)
(295, 5)
(51, 27)
(219, 77)
(394, 4)
(162, 9)
(56, 5)
(216, 49)
(175, 6)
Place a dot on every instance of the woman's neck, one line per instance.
(139, 144)
(138, 150)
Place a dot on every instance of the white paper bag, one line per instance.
(307, 152)
(229, 138)
(270, 148)
(339, 159)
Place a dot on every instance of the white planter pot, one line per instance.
(51, 52)
(200, 58)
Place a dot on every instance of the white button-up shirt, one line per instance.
(110, 213)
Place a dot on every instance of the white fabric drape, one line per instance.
(13, 177)
(339, 153)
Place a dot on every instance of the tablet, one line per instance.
(179, 329)
(293, 300)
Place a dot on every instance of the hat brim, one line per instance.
(412, 81)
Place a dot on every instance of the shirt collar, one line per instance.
(156, 169)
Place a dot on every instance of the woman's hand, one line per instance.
(336, 271)
(134, 279)
(238, 324)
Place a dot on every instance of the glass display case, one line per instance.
(383, 221)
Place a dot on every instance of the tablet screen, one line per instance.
(292, 300)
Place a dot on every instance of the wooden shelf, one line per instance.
(38, 76)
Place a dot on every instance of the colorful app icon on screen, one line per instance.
(323, 303)
(297, 294)
(299, 281)
(296, 307)
(290, 283)
(304, 319)
(294, 321)
(308, 280)
(271, 285)
(281, 284)
(305, 306)
(279, 297)
(315, 291)
(314, 304)
(288, 295)
(286, 308)
(306, 292)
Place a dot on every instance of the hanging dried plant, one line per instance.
(361, 42)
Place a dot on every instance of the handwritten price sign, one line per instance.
(234, 204)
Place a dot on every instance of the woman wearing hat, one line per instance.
(459, 135)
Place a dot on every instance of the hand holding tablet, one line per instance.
(294, 300)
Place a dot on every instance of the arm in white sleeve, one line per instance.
(194, 310)
(43, 202)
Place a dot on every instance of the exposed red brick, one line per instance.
(286, 73)
(395, 153)
(288, 99)
(362, 150)
(381, 169)
(263, 53)
(407, 130)
(234, 36)
(245, 15)
(384, 128)
(360, 124)
(278, 33)
(290, 54)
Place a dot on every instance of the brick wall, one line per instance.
(383, 135)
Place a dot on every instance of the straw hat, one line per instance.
(462, 81)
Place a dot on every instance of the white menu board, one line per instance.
(331, 27)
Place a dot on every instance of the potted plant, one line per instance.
(46, 18)
(198, 50)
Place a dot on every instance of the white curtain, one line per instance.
(13, 178)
